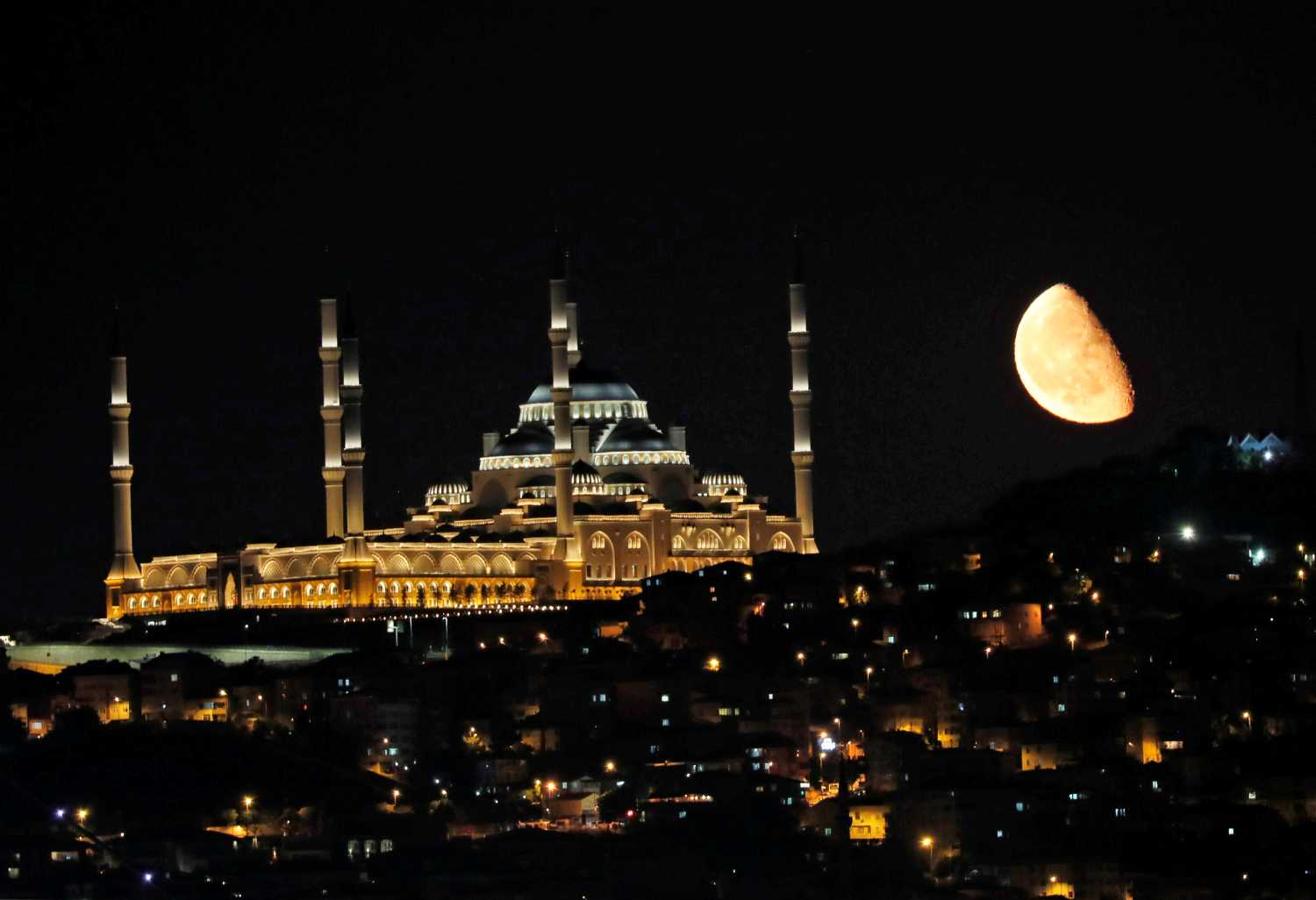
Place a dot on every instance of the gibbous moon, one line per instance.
(1068, 362)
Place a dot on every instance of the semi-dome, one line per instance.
(529, 437)
(634, 434)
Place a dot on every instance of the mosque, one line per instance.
(502, 538)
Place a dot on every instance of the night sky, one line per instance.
(191, 161)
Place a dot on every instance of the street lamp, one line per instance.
(1072, 637)
(609, 767)
(928, 844)
(247, 802)
(868, 676)
(82, 814)
(396, 794)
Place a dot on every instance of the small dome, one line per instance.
(452, 491)
(723, 478)
(583, 473)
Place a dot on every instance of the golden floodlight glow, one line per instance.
(1068, 362)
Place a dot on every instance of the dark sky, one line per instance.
(191, 159)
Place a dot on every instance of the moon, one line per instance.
(1068, 362)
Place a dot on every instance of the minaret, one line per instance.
(331, 411)
(558, 334)
(124, 566)
(354, 453)
(801, 398)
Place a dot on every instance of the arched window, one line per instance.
(782, 541)
(739, 542)
(678, 542)
(635, 541)
(599, 541)
(708, 540)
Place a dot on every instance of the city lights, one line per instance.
(1188, 533)
(713, 664)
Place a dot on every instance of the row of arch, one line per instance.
(178, 600)
(601, 562)
(708, 539)
(449, 593)
(400, 564)
(178, 576)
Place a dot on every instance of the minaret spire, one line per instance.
(801, 401)
(562, 272)
(568, 549)
(331, 412)
(354, 453)
(124, 567)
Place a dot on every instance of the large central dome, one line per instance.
(589, 384)
(619, 430)
(598, 397)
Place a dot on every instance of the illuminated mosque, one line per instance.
(639, 506)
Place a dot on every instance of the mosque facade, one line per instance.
(638, 505)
